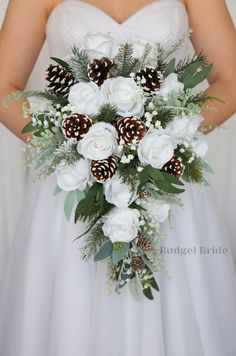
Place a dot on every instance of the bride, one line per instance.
(51, 302)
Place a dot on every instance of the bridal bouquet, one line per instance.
(118, 126)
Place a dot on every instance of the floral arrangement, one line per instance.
(119, 126)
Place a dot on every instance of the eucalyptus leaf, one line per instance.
(192, 81)
(135, 288)
(170, 67)
(68, 204)
(154, 284)
(120, 250)
(79, 195)
(57, 190)
(104, 252)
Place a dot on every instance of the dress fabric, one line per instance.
(54, 304)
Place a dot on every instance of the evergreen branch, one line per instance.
(107, 113)
(34, 93)
(78, 64)
(94, 241)
(194, 172)
(185, 63)
(124, 60)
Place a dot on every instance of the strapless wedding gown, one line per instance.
(54, 304)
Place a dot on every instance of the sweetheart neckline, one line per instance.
(123, 23)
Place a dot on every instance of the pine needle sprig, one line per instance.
(164, 116)
(67, 152)
(124, 60)
(107, 113)
(193, 172)
(55, 99)
(182, 65)
(128, 173)
(94, 241)
(79, 64)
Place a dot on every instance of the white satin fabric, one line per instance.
(54, 304)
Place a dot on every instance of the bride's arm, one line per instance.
(214, 33)
(21, 39)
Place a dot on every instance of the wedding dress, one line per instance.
(54, 304)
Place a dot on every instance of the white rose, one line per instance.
(121, 224)
(170, 84)
(183, 127)
(200, 145)
(155, 149)
(85, 98)
(100, 45)
(75, 176)
(118, 193)
(139, 47)
(39, 105)
(99, 142)
(125, 95)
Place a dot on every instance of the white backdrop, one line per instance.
(12, 178)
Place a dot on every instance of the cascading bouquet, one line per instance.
(118, 125)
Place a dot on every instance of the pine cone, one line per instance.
(174, 166)
(150, 79)
(102, 170)
(143, 194)
(76, 126)
(144, 243)
(60, 80)
(129, 129)
(137, 264)
(98, 69)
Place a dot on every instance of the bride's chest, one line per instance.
(162, 21)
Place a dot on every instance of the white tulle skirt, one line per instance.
(54, 304)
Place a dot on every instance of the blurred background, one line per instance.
(222, 150)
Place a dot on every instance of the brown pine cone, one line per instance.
(102, 170)
(59, 80)
(144, 243)
(98, 69)
(137, 264)
(76, 126)
(174, 166)
(129, 129)
(150, 79)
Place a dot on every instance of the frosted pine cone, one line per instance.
(98, 69)
(104, 169)
(174, 166)
(76, 126)
(130, 129)
(137, 264)
(150, 79)
(144, 243)
(59, 80)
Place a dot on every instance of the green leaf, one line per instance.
(59, 61)
(120, 250)
(171, 179)
(148, 293)
(68, 204)
(170, 67)
(167, 187)
(28, 128)
(192, 80)
(79, 195)
(104, 252)
(154, 284)
(135, 288)
(57, 190)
